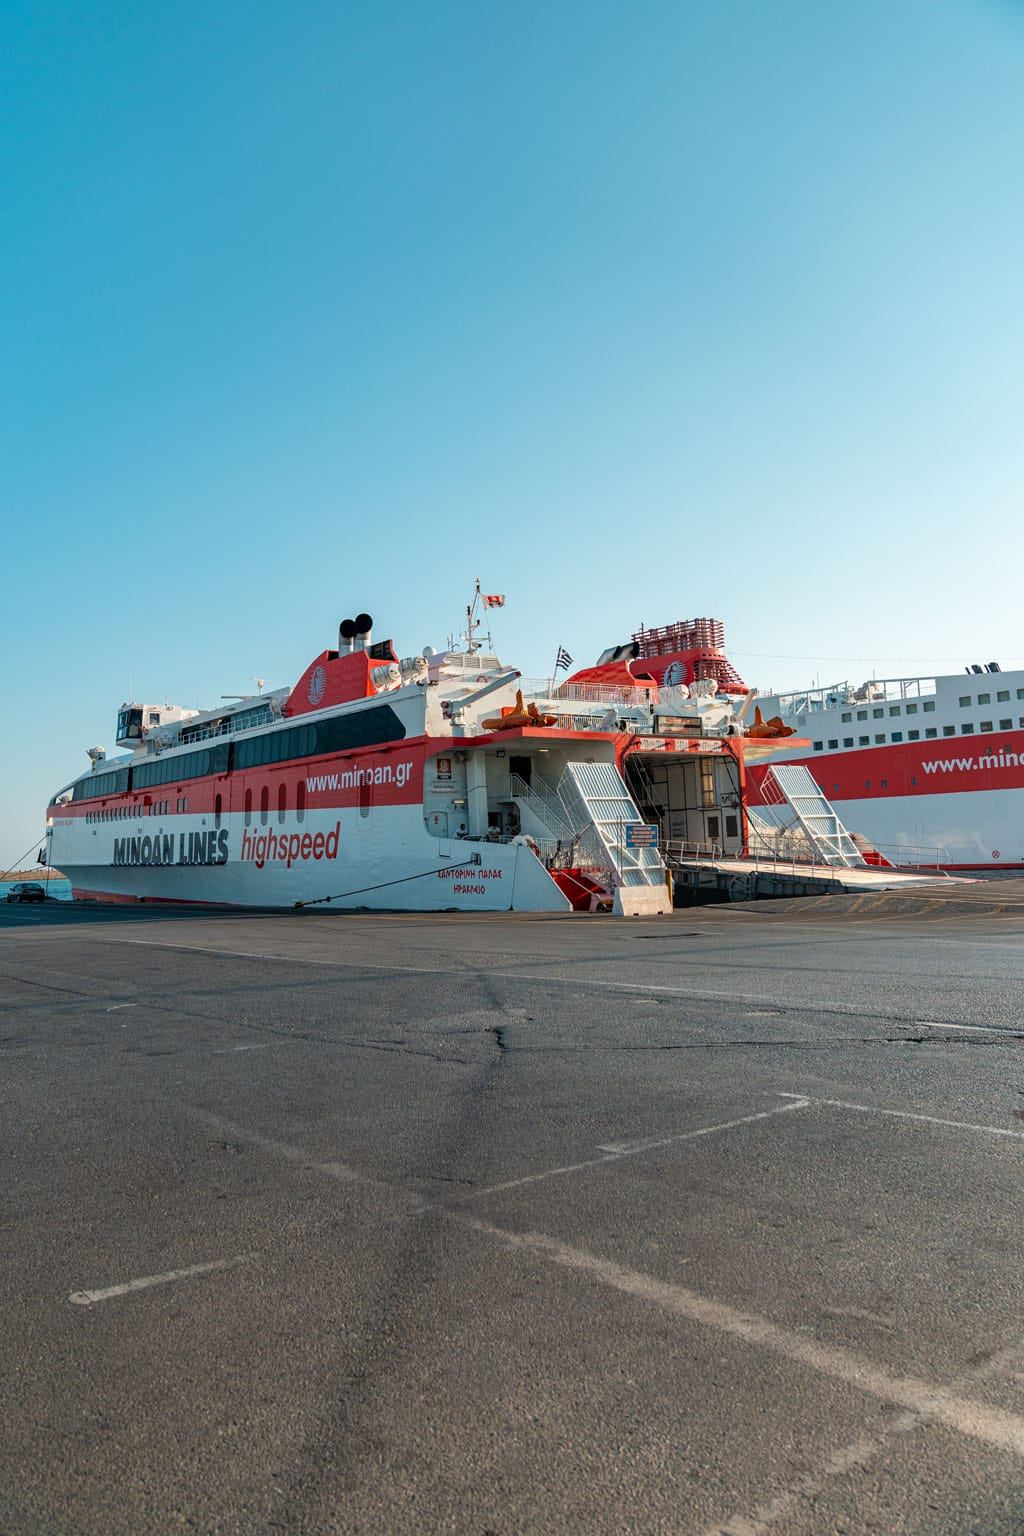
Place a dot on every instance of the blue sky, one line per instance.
(638, 312)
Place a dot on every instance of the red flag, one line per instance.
(495, 600)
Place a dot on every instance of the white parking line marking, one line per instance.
(631, 1148)
(906, 1114)
(615, 1152)
(975, 1029)
(282, 1149)
(849, 1457)
(328, 1167)
(977, 1420)
(761, 1520)
(87, 1298)
(255, 1045)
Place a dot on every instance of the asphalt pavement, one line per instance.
(708, 1225)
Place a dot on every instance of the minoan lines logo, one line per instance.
(192, 848)
(317, 685)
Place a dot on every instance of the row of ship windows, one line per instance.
(878, 713)
(1002, 697)
(126, 812)
(929, 735)
(282, 805)
(365, 804)
(163, 807)
(345, 733)
(928, 708)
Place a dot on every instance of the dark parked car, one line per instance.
(26, 890)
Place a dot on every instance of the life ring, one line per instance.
(481, 679)
(995, 853)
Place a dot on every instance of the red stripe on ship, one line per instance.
(955, 765)
(328, 783)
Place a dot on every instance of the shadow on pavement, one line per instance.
(64, 914)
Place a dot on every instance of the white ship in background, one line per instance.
(933, 763)
(930, 770)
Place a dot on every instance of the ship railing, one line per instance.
(680, 852)
(790, 841)
(575, 843)
(579, 854)
(908, 856)
(785, 858)
(242, 720)
(544, 800)
(548, 847)
(595, 719)
(887, 690)
(583, 693)
(567, 721)
(203, 733)
(489, 838)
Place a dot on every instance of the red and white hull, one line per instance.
(349, 832)
(929, 804)
(334, 858)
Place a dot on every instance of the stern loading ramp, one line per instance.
(701, 878)
(797, 844)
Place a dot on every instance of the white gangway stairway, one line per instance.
(596, 794)
(789, 784)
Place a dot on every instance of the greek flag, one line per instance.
(564, 659)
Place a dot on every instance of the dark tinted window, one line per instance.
(344, 733)
(98, 785)
(129, 723)
(190, 765)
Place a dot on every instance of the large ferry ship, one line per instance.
(434, 781)
(930, 770)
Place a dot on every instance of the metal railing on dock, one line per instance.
(905, 858)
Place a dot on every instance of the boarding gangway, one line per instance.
(791, 785)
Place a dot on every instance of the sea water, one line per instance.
(58, 889)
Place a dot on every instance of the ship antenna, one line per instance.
(473, 623)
